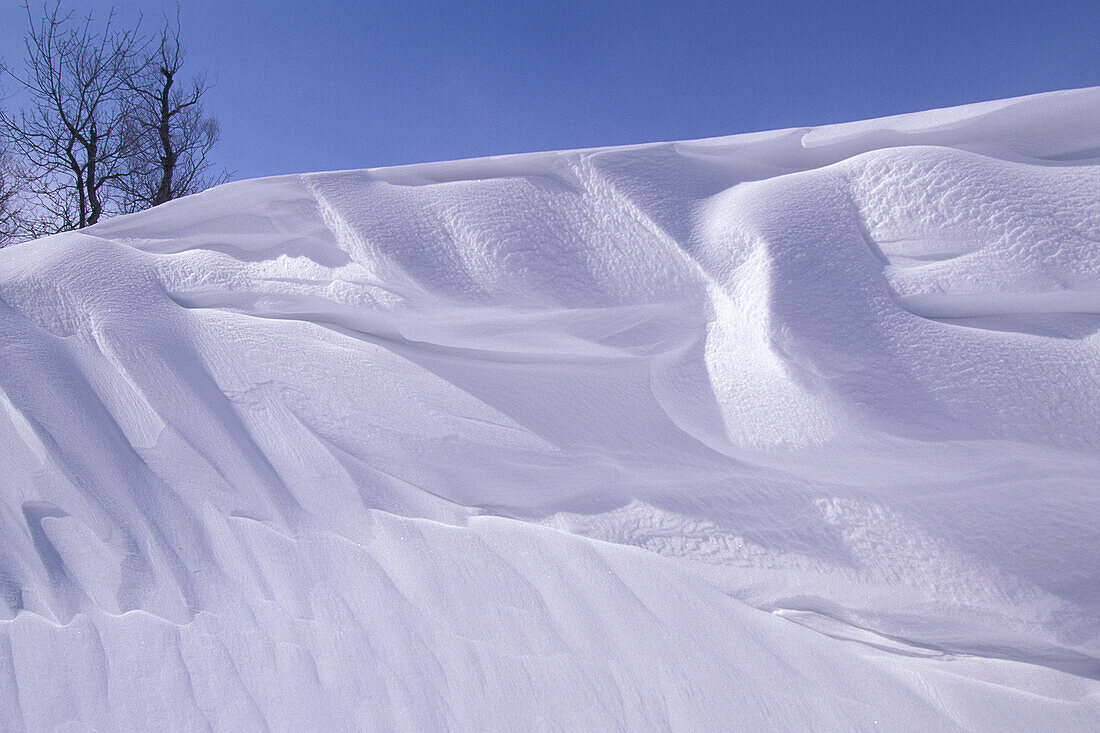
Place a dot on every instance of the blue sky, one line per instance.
(325, 85)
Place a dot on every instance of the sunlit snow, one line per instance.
(791, 430)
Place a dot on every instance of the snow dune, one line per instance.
(791, 430)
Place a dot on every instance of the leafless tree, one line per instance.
(74, 132)
(11, 210)
(167, 121)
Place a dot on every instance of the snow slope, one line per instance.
(791, 430)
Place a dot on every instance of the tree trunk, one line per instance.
(168, 154)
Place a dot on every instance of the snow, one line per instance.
(791, 430)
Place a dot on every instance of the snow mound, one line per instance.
(788, 430)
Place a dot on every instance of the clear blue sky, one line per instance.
(323, 85)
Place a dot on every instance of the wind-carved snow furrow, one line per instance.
(130, 509)
(965, 219)
(381, 328)
(701, 422)
(970, 305)
(842, 626)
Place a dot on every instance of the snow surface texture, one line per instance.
(791, 430)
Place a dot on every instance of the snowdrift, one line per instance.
(791, 430)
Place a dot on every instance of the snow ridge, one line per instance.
(797, 429)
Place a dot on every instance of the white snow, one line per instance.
(793, 430)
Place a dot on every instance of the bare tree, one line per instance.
(109, 125)
(74, 134)
(173, 134)
(11, 222)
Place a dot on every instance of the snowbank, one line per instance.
(789, 430)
